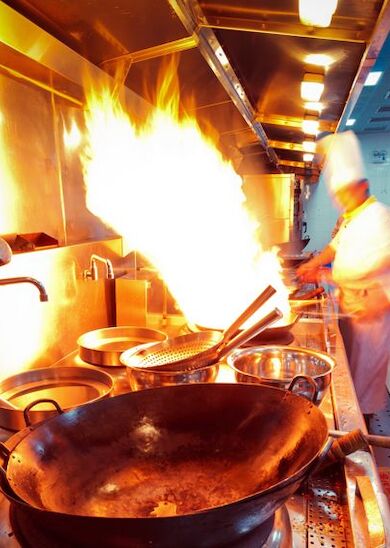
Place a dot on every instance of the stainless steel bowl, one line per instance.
(141, 378)
(278, 365)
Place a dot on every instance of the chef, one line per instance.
(360, 253)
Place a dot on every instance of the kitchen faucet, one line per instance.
(92, 273)
(25, 279)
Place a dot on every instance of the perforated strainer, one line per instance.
(197, 350)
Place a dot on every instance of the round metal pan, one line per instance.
(281, 329)
(70, 386)
(104, 346)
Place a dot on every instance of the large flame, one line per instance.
(169, 192)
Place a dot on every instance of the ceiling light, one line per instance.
(350, 122)
(373, 78)
(309, 145)
(310, 123)
(313, 105)
(316, 13)
(310, 127)
(319, 59)
(307, 157)
(312, 86)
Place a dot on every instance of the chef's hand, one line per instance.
(308, 272)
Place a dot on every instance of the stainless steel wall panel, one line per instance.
(37, 334)
(29, 163)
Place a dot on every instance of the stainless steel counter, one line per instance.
(329, 512)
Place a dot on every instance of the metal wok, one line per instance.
(270, 334)
(223, 457)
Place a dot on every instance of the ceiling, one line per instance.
(372, 110)
(241, 63)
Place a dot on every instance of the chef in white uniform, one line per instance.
(360, 252)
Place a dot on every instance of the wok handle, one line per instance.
(309, 381)
(36, 402)
(231, 331)
(364, 439)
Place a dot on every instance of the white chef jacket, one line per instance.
(361, 245)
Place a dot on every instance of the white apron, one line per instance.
(360, 245)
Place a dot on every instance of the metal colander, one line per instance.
(192, 351)
(181, 352)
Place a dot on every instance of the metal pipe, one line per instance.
(92, 273)
(25, 279)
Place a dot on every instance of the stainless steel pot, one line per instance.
(278, 365)
(104, 346)
(69, 386)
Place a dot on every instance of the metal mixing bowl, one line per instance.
(278, 365)
(141, 378)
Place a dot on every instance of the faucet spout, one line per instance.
(92, 273)
(26, 279)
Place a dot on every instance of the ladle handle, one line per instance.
(255, 329)
(248, 312)
(36, 402)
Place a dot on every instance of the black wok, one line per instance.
(282, 329)
(224, 457)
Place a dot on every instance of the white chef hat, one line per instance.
(343, 160)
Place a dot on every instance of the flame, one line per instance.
(168, 191)
(72, 137)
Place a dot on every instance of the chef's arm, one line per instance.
(309, 271)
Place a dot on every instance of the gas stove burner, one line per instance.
(29, 533)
